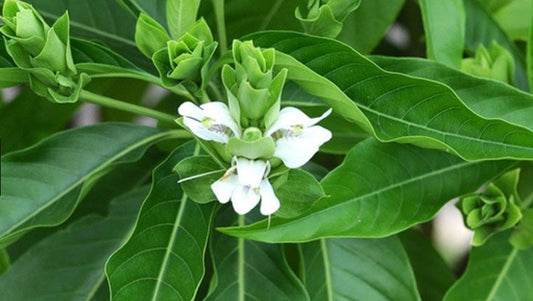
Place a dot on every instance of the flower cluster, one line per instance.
(254, 130)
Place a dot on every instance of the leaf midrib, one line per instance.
(502, 273)
(84, 178)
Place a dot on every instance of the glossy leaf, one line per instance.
(394, 107)
(362, 30)
(358, 269)
(248, 270)
(488, 98)
(61, 169)
(482, 29)
(197, 174)
(444, 24)
(515, 19)
(169, 241)
(433, 276)
(29, 118)
(380, 189)
(69, 264)
(495, 271)
(181, 14)
(294, 203)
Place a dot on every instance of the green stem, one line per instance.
(218, 5)
(128, 107)
(241, 262)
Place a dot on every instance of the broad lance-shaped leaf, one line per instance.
(362, 30)
(41, 185)
(358, 269)
(481, 28)
(164, 257)
(30, 118)
(248, 270)
(433, 276)
(488, 98)
(444, 25)
(69, 264)
(496, 271)
(379, 189)
(394, 107)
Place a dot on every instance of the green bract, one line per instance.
(185, 61)
(43, 51)
(325, 17)
(494, 210)
(253, 90)
(495, 63)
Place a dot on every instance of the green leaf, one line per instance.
(180, 15)
(4, 261)
(150, 36)
(120, 180)
(164, 257)
(29, 118)
(363, 30)
(482, 29)
(248, 270)
(358, 269)
(495, 272)
(71, 261)
(515, 19)
(197, 174)
(294, 203)
(380, 189)
(278, 14)
(433, 276)
(61, 169)
(522, 236)
(12, 76)
(444, 24)
(394, 107)
(488, 98)
(529, 53)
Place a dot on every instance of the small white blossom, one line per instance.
(297, 136)
(247, 187)
(211, 121)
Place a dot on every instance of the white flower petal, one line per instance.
(219, 112)
(188, 109)
(287, 117)
(290, 116)
(269, 201)
(203, 132)
(223, 188)
(244, 199)
(316, 134)
(250, 172)
(294, 151)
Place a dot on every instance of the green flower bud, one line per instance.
(494, 210)
(184, 61)
(495, 63)
(43, 51)
(325, 17)
(253, 92)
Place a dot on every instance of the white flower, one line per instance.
(211, 121)
(298, 138)
(247, 187)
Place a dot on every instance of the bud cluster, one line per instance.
(43, 51)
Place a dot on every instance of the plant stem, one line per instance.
(218, 5)
(128, 107)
